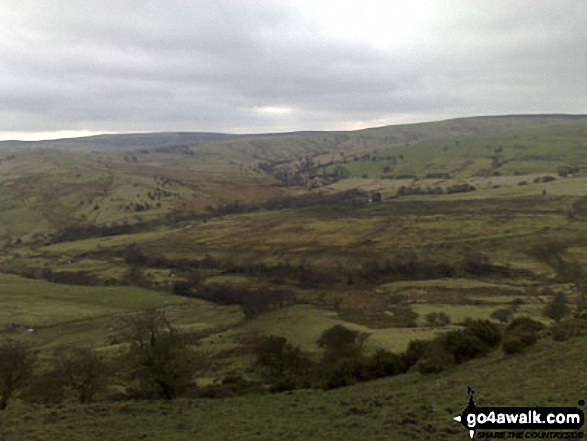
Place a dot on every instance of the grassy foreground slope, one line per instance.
(406, 407)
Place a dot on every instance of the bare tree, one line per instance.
(84, 371)
(160, 357)
(16, 367)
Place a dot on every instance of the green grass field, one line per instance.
(69, 315)
(37, 303)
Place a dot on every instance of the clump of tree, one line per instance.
(579, 207)
(566, 170)
(460, 188)
(406, 267)
(383, 364)
(413, 267)
(79, 232)
(348, 198)
(161, 360)
(142, 206)
(544, 179)
(521, 333)
(437, 318)
(85, 278)
(340, 342)
(82, 372)
(133, 255)
(253, 301)
(455, 347)
(569, 328)
(414, 190)
(408, 191)
(404, 316)
(304, 274)
(344, 363)
(557, 308)
(341, 172)
(230, 386)
(78, 373)
(430, 357)
(438, 175)
(283, 365)
(159, 363)
(502, 315)
(182, 288)
(477, 339)
(16, 369)
(376, 197)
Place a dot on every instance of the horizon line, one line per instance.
(61, 135)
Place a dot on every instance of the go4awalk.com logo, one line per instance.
(522, 422)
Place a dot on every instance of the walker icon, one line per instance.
(471, 405)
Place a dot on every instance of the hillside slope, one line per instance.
(114, 179)
(406, 407)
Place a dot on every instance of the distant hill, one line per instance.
(121, 141)
(373, 137)
(131, 141)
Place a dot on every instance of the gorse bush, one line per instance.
(343, 372)
(502, 315)
(384, 364)
(454, 347)
(525, 324)
(415, 351)
(521, 333)
(487, 332)
(437, 319)
(574, 327)
(435, 358)
(517, 341)
(464, 346)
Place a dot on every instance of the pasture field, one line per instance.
(302, 325)
(371, 230)
(66, 315)
(38, 303)
(341, 241)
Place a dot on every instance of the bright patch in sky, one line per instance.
(379, 23)
(40, 136)
(273, 110)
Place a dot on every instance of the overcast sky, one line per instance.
(248, 66)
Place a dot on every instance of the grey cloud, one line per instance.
(204, 65)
